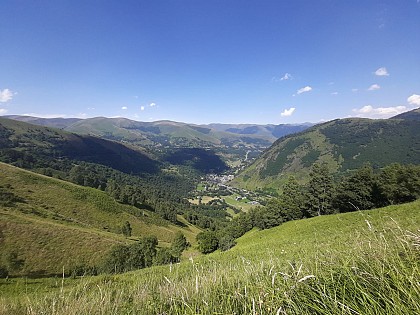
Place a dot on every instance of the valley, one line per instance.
(89, 207)
(201, 157)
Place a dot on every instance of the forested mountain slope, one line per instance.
(36, 145)
(344, 144)
(231, 141)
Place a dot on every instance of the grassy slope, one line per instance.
(353, 263)
(62, 224)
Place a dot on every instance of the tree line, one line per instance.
(138, 255)
(362, 189)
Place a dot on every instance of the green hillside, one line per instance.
(123, 172)
(32, 144)
(363, 262)
(234, 142)
(343, 144)
(165, 133)
(53, 224)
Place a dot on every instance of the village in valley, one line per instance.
(215, 189)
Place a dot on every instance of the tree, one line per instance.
(207, 242)
(123, 258)
(126, 229)
(164, 256)
(270, 216)
(399, 183)
(226, 242)
(357, 191)
(149, 244)
(116, 260)
(320, 190)
(291, 201)
(179, 244)
(76, 175)
(136, 257)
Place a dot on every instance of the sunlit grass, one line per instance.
(355, 263)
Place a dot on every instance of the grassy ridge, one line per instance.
(61, 224)
(353, 263)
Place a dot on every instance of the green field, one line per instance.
(239, 204)
(364, 262)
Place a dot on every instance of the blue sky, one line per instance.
(228, 61)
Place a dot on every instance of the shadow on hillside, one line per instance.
(205, 161)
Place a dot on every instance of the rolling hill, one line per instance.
(19, 140)
(60, 123)
(53, 224)
(232, 141)
(344, 144)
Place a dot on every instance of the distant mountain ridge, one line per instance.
(100, 125)
(234, 142)
(60, 123)
(410, 115)
(344, 144)
(19, 139)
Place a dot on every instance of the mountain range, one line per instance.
(231, 141)
(343, 144)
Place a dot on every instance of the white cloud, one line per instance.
(6, 95)
(369, 111)
(3, 111)
(152, 104)
(334, 93)
(141, 107)
(414, 99)
(354, 90)
(124, 108)
(288, 112)
(286, 76)
(382, 72)
(374, 87)
(304, 89)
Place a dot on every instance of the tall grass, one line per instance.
(376, 271)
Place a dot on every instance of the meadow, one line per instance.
(364, 262)
(60, 225)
